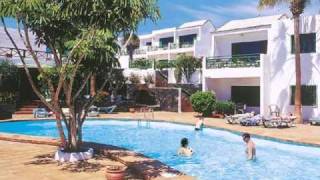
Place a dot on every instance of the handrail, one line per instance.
(235, 61)
(9, 52)
(156, 48)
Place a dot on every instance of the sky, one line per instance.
(176, 12)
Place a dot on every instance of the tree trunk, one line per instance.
(93, 85)
(297, 97)
(60, 130)
(73, 141)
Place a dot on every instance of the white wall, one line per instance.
(241, 72)
(204, 43)
(195, 78)
(279, 66)
(141, 73)
(223, 44)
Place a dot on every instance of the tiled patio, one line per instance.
(23, 161)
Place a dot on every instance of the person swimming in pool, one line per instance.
(184, 150)
(199, 124)
(251, 147)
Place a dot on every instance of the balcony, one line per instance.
(141, 64)
(238, 61)
(150, 63)
(171, 46)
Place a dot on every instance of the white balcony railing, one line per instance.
(171, 46)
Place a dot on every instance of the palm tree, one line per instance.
(296, 7)
(132, 42)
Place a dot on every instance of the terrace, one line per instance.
(11, 54)
(150, 63)
(170, 46)
(236, 61)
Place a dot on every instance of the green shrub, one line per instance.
(224, 107)
(141, 63)
(203, 102)
(164, 64)
(7, 98)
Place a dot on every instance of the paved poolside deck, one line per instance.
(26, 161)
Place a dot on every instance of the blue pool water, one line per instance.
(218, 154)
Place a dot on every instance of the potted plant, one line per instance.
(115, 172)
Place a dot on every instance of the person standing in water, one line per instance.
(251, 147)
(199, 124)
(184, 150)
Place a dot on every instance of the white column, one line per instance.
(213, 53)
(262, 86)
(179, 100)
(204, 70)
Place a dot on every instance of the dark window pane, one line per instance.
(307, 43)
(148, 43)
(256, 47)
(249, 95)
(187, 39)
(308, 95)
(164, 42)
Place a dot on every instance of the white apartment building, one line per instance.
(8, 52)
(190, 38)
(252, 62)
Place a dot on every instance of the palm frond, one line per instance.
(270, 3)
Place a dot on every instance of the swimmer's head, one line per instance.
(184, 142)
(246, 137)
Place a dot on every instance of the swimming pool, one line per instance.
(218, 154)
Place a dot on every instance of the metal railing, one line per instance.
(151, 63)
(141, 64)
(156, 48)
(236, 61)
(13, 53)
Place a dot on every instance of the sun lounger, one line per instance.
(279, 122)
(108, 110)
(315, 121)
(235, 119)
(40, 113)
(252, 121)
(93, 111)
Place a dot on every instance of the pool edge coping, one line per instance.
(237, 132)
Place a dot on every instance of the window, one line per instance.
(249, 95)
(307, 43)
(164, 42)
(148, 43)
(255, 47)
(308, 95)
(187, 40)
